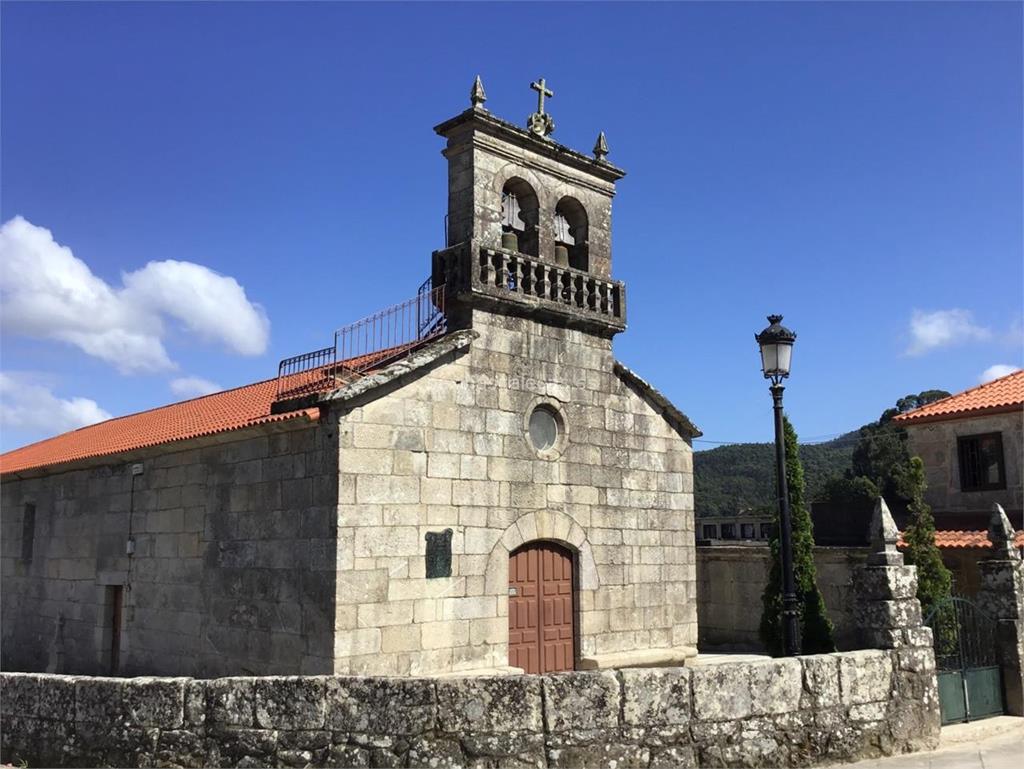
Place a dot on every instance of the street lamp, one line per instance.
(776, 344)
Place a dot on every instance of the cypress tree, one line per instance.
(815, 626)
(934, 580)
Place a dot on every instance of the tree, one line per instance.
(882, 463)
(882, 454)
(934, 580)
(815, 626)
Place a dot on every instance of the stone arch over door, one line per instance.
(551, 525)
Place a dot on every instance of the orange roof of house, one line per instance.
(952, 538)
(1003, 394)
(207, 415)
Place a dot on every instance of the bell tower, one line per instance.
(529, 222)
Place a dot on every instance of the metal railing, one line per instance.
(368, 343)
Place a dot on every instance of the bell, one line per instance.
(561, 255)
(510, 241)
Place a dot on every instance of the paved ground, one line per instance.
(995, 743)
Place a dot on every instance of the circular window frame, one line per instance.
(562, 437)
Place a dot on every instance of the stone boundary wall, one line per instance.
(789, 712)
(731, 578)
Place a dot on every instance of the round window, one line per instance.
(543, 428)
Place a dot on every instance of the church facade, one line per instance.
(497, 493)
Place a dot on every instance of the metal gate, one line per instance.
(970, 682)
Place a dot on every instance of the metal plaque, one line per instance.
(439, 554)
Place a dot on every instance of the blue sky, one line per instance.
(856, 167)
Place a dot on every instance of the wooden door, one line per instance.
(541, 635)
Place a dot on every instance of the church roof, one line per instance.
(253, 404)
(999, 395)
(220, 412)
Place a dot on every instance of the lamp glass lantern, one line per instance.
(776, 344)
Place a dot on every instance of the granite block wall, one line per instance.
(730, 581)
(232, 570)
(794, 712)
(450, 449)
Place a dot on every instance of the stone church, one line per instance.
(467, 481)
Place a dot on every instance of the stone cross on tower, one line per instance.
(540, 122)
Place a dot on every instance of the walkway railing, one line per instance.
(368, 343)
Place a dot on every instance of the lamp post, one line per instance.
(776, 343)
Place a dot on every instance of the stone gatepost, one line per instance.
(889, 617)
(1001, 597)
(888, 612)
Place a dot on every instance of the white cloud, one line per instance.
(943, 328)
(997, 371)
(193, 386)
(28, 404)
(49, 293)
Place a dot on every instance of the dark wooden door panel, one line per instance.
(541, 634)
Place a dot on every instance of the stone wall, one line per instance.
(730, 581)
(233, 569)
(936, 444)
(793, 712)
(448, 449)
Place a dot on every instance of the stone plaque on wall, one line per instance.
(439, 553)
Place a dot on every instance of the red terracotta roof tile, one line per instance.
(210, 414)
(950, 538)
(1003, 394)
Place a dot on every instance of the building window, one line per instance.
(728, 531)
(766, 531)
(981, 462)
(543, 428)
(747, 530)
(28, 532)
(710, 531)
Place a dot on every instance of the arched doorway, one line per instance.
(541, 611)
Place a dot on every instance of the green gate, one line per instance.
(970, 682)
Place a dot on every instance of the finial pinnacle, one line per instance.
(1001, 533)
(884, 535)
(601, 147)
(477, 97)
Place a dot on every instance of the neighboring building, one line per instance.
(972, 445)
(734, 529)
(467, 481)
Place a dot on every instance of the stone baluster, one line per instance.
(541, 288)
(487, 263)
(1002, 598)
(584, 292)
(517, 275)
(503, 273)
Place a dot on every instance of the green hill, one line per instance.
(741, 476)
